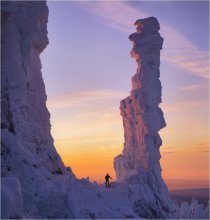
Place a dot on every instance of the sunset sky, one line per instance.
(87, 70)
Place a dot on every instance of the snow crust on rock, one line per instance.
(139, 165)
(11, 198)
(192, 210)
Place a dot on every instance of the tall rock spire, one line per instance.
(142, 118)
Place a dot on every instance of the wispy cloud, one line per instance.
(201, 145)
(167, 153)
(90, 97)
(88, 138)
(188, 149)
(198, 148)
(183, 105)
(116, 14)
(178, 49)
(195, 87)
(92, 113)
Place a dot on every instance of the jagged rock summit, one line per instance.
(139, 165)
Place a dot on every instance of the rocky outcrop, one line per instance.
(139, 164)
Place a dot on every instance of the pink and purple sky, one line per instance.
(87, 70)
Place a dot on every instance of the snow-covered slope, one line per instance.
(35, 182)
(11, 197)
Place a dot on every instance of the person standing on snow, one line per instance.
(107, 177)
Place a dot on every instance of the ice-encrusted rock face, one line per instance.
(142, 119)
(27, 149)
(24, 112)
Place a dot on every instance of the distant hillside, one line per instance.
(181, 195)
(178, 184)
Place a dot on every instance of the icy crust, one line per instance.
(192, 210)
(142, 119)
(11, 198)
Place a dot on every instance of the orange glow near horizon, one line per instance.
(89, 140)
(179, 169)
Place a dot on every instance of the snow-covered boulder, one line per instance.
(11, 198)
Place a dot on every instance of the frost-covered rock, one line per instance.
(11, 198)
(192, 210)
(27, 150)
(24, 112)
(207, 210)
(139, 164)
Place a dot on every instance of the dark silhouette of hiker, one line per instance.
(107, 177)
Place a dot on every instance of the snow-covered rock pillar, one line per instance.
(142, 117)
